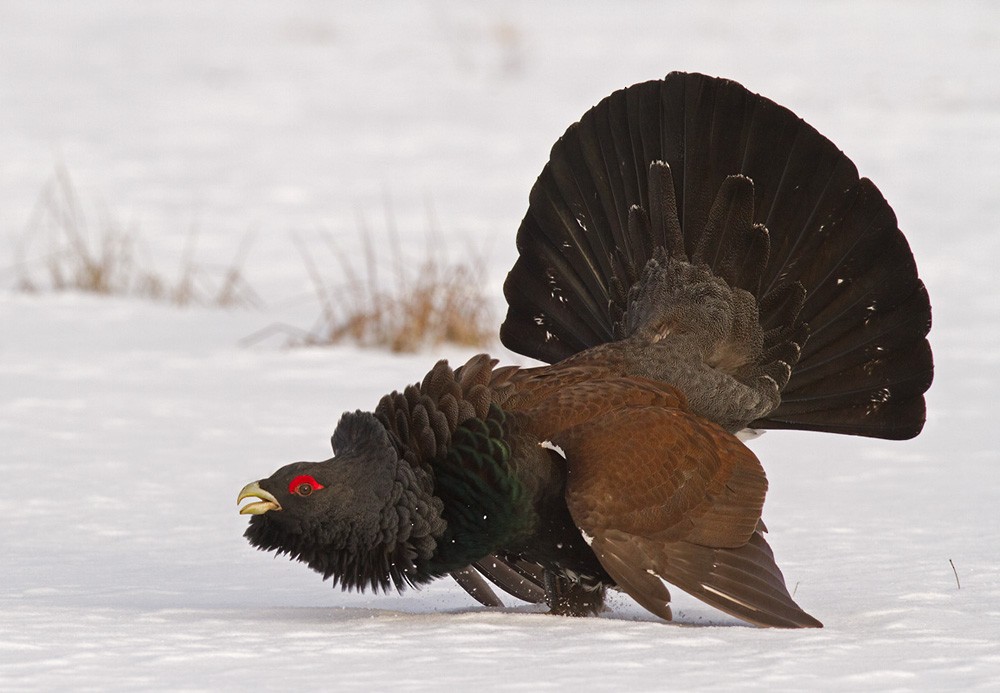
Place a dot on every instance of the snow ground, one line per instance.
(127, 427)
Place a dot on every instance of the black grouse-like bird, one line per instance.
(695, 260)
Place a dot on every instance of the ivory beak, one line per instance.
(267, 501)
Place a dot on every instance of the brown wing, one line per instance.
(663, 474)
(660, 492)
(560, 397)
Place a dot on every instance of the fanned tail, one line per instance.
(701, 170)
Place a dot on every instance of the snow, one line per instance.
(128, 427)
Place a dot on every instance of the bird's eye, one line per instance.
(304, 485)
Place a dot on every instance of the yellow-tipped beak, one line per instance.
(267, 501)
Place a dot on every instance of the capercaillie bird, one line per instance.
(695, 260)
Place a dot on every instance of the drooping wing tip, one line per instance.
(743, 582)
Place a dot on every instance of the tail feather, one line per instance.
(731, 215)
(751, 271)
(763, 200)
(822, 418)
(780, 308)
(662, 203)
(554, 327)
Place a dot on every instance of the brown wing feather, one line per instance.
(632, 571)
(744, 582)
(664, 474)
(661, 492)
(553, 409)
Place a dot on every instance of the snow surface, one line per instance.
(127, 427)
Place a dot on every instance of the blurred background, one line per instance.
(232, 117)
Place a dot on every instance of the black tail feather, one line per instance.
(728, 229)
(770, 205)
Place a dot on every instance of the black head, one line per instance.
(359, 518)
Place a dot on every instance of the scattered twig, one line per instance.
(957, 581)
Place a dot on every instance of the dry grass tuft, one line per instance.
(109, 261)
(409, 306)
